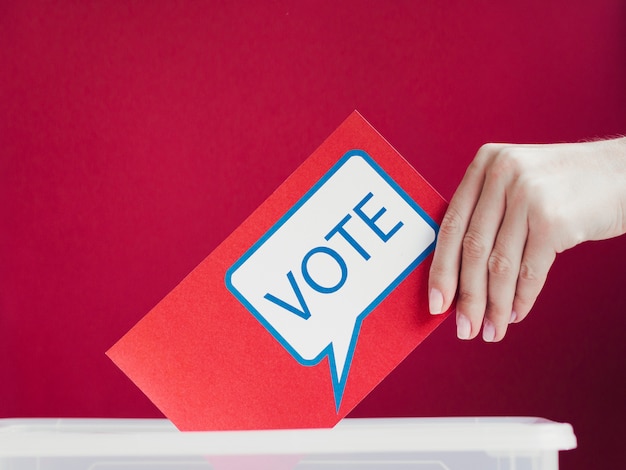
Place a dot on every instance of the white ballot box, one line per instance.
(371, 444)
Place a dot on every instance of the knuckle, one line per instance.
(528, 273)
(499, 264)
(508, 161)
(452, 222)
(487, 151)
(531, 188)
(482, 160)
(473, 246)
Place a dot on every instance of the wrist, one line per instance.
(616, 153)
(621, 152)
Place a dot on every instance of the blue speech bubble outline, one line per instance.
(338, 383)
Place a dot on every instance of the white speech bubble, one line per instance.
(330, 260)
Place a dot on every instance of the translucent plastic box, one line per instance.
(371, 444)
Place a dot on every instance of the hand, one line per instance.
(515, 209)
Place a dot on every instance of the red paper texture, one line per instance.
(209, 364)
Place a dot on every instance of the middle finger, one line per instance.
(478, 243)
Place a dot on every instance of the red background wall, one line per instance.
(135, 136)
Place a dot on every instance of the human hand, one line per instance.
(515, 209)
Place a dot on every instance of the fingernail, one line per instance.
(463, 326)
(435, 301)
(489, 331)
(513, 317)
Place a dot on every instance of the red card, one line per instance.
(306, 306)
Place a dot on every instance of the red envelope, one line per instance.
(305, 307)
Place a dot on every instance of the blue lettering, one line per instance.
(349, 238)
(304, 311)
(371, 221)
(333, 254)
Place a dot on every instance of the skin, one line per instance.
(515, 209)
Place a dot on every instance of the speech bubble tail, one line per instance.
(340, 359)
